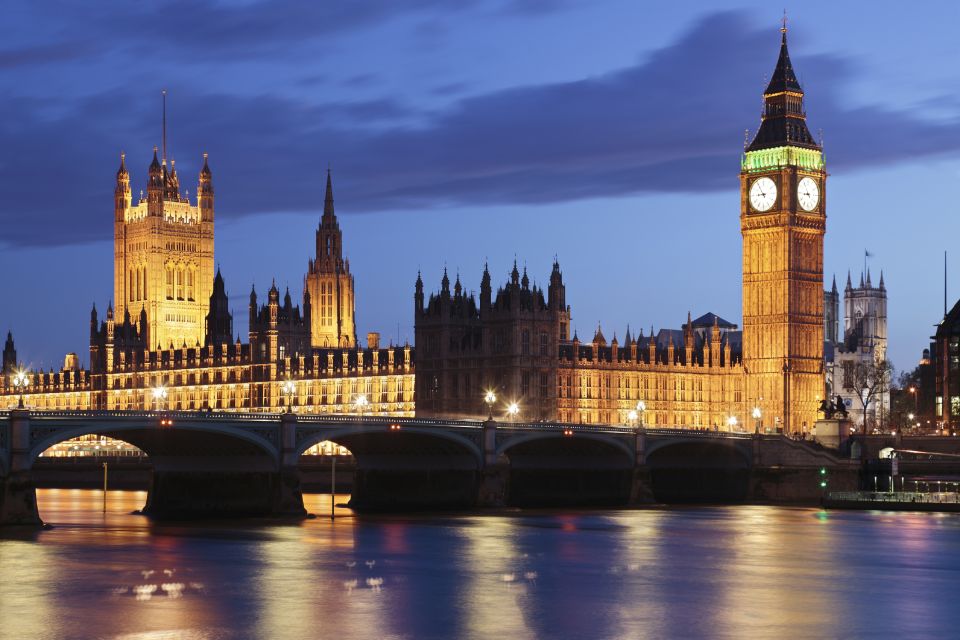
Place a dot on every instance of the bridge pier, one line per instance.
(18, 498)
(199, 487)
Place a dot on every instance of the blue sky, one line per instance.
(606, 133)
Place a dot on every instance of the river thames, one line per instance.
(717, 572)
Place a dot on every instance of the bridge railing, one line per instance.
(356, 419)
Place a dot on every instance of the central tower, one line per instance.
(330, 284)
(783, 219)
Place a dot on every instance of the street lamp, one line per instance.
(288, 388)
(159, 395)
(512, 410)
(731, 423)
(632, 417)
(641, 407)
(20, 382)
(490, 399)
(756, 416)
(361, 403)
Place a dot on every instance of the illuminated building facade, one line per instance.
(783, 221)
(516, 343)
(330, 284)
(172, 327)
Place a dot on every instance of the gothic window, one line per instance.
(525, 383)
(130, 287)
(525, 342)
(169, 282)
(179, 283)
(544, 343)
(190, 278)
(544, 388)
(143, 282)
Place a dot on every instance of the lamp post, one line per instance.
(756, 416)
(632, 417)
(288, 388)
(512, 410)
(20, 382)
(159, 395)
(641, 407)
(490, 399)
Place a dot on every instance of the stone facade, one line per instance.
(516, 343)
(783, 221)
(330, 284)
(163, 254)
(172, 327)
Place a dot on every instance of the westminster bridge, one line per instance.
(231, 464)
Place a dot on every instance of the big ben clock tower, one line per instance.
(783, 219)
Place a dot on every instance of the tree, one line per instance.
(868, 380)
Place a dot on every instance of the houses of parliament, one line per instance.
(170, 326)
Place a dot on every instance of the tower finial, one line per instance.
(783, 29)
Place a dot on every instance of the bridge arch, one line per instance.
(413, 440)
(572, 441)
(154, 440)
(743, 448)
(699, 470)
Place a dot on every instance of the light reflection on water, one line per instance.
(728, 572)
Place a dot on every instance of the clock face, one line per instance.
(808, 194)
(763, 194)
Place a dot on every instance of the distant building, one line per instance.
(863, 340)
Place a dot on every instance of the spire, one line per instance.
(525, 282)
(834, 289)
(784, 120)
(881, 279)
(849, 282)
(122, 171)
(445, 282)
(328, 198)
(515, 274)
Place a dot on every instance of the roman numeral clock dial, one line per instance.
(808, 194)
(763, 194)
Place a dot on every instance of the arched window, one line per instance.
(130, 284)
(144, 283)
(190, 277)
(180, 283)
(169, 282)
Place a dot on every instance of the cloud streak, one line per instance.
(672, 122)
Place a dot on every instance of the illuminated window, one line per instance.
(169, 282)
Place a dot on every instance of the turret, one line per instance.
(253, 306)
(205, 192)
(418, 295)
(445, 284)
(486, 293)
(94, 322)
(155, 186)
(9, 355)
(121, 194)
(219, 319)
(556, 291)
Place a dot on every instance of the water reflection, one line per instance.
(703, 572)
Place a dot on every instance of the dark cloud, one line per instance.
(671, 123)
(44, 54)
